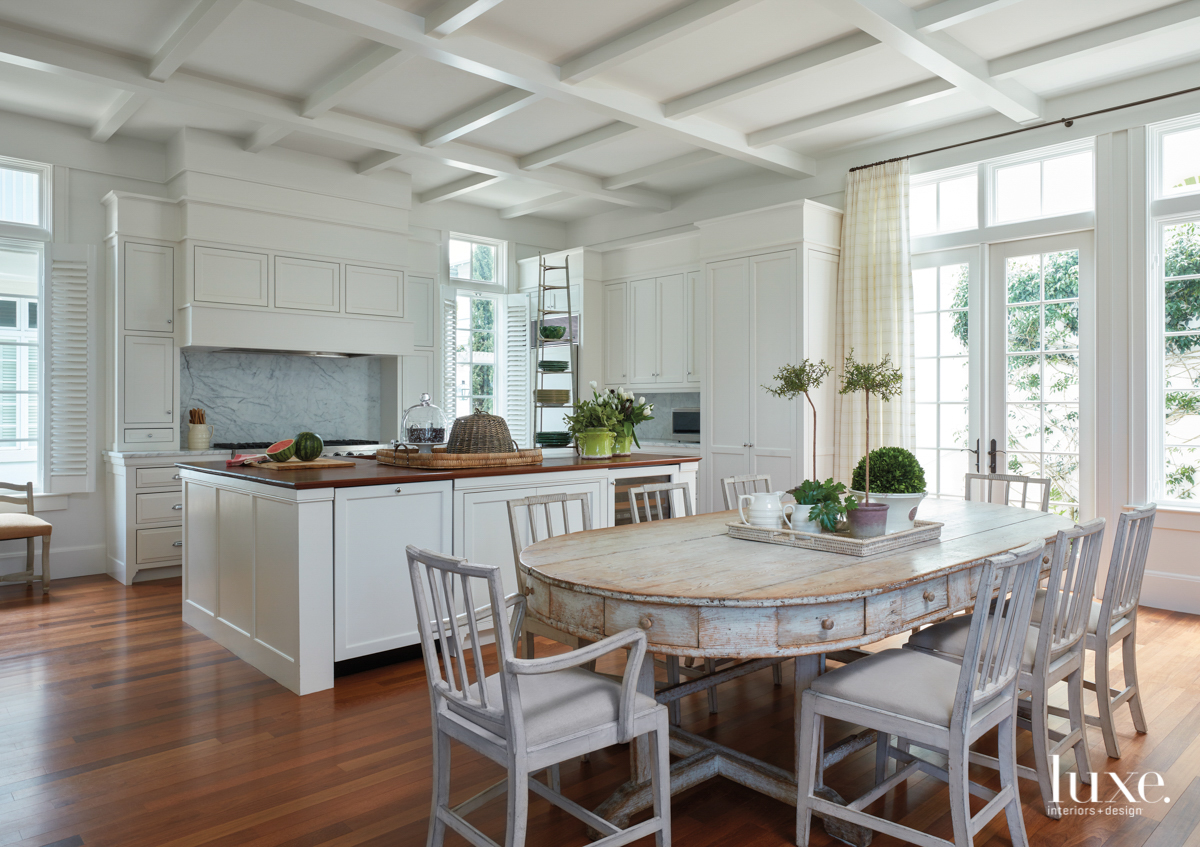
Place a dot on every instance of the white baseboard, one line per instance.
(165, 572)
(65, 562)
(1171, 591)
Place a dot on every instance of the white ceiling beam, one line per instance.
(557, 152)
(531, 206)
(633, 177)
(643, 39)
(767, 76)
(477, 116)
(264, 137)
(199, 25)
(458, 188)
(367, 68)
(388, 24)
(892, 23)
(950, 12)
(1095, 39)
(908, 95)
(377, 162)
(48, 54)
(115, 116)
(452, 15)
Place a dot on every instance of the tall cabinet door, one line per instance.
(149, 380)
(726, 421)
(773, 338)
(616, 334)
(149, 287)
(672, 323)
(643, 299)
(696, 326)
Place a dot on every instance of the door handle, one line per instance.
(976, 452)
(178, 507)
(176, 543)
(992, 457)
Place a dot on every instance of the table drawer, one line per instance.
(823, 622)
(149, 436)
(158, 545)
(158, 477)
(166, 506)
(925, 598)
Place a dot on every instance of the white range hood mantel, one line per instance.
(270, 331)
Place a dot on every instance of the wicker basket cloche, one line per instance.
(480, 432)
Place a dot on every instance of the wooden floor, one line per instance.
(123, 726)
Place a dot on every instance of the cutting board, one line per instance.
(297, 465)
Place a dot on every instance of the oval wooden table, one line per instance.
(697, 592)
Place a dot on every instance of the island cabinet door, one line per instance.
(373, 598)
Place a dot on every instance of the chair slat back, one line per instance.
(658, 489)
(444, 590)
(996, 640)
(25, 500)
(1069, 589)
(539, 511)
(998, 488)
(735, 486)
(1131, 545)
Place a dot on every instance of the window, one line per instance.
(475, 354)
(1180, 162)
(475, 261)
(943, 203)
(1055, 183)
(1181, 363)
(23, 193)
(20, 272)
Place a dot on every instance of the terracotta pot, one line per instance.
(868, 520)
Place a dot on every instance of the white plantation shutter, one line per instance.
(67, 439)
(516, 369)
(449, 357)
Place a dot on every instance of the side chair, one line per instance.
(14, 526)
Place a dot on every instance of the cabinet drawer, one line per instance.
(160, 507)
(157, 545)
(149, 436)
(925, 598)
(158, 477)
(824, 622)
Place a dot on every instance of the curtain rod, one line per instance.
(1064, 121)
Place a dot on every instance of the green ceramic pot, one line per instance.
(595, 443)
(623, 445)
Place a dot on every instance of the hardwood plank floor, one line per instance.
(125, 727)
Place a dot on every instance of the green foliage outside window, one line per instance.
(1181, 301)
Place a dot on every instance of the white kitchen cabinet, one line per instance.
(149, 289)
(149, 379)
(236, 277)
(420, 295)
(695, 327)
(616, 334)
(374, 291)
(643, 303)
(307, 284)
(672, 330)
(373, 599)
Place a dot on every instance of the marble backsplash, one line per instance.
(659, 429)
(268, 397)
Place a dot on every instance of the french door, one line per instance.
(1003, 351)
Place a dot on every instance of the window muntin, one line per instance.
(475, 261)
(1046, 187)
(20, 274)
(943, 205)
(476, 371)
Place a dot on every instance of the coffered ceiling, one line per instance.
(570, 108)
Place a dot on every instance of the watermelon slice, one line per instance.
(281, 451)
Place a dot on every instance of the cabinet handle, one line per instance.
(178, 507)
(176, 543)
(177, 476)
(397, 489)
(929, 596)
(168, 413)
(645, 622)
(827, 624)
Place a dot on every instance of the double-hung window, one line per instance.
(473, 315)
(20, 383)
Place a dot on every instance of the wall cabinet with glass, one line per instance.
(649, 331)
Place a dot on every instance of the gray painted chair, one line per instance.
(735, 486)
(530, 715)
(934, 704)
(15, 526)
(1006, 482)
(1053, 654)
(658, 489)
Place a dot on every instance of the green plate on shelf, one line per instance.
(552, 365)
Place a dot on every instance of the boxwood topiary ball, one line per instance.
(894, 470)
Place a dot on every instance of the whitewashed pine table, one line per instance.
(697, 592)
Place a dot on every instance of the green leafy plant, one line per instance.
(630, 412)
(883, 380)
(597, 413)
(896, 471)
(828, 499)
(793, 380)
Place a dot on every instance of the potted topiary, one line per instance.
(883, 380)
(827, 505)
(793, 380)
(897, 479)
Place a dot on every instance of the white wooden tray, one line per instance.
(838, 542)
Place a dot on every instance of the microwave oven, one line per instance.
(685, 424)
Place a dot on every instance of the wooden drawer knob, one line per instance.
(929, 596)
(645, 622)
(528, 590)
(827, 624)
(1045, 560)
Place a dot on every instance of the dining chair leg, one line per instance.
(1007, 755)
(1129, 669)
(673, 708)
(883, 750)
(660, 770)
(710, 666)
(29, 562)
(960, 790)
(777, 673)
(46, 563)
(553, 779)
(527, 644)
(807, 732)
(1078, 720)
(1040, 718)
(1104, 701)
(441, 787)
(518, 803)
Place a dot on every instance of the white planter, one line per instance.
(902, 508)
(805, 525)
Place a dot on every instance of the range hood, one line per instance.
(292, 333)
(316, 354)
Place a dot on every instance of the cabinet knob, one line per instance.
(168, 320)
(397, 489)
(168, 413)
(827, 624)
(928, 595)
(177, 476)
(1045, 560)
(176, 543)
(645, 622)
(178, 507)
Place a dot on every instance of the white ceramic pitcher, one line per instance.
(766, 510)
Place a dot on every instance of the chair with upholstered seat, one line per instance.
(933, 704)
(735, 486)
(1053, 654)
(532, 713)
(14, 526)
(1001, 488)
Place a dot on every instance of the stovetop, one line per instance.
(263, 445)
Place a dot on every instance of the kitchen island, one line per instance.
(296, 570)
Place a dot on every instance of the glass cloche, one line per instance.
(424, 426)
